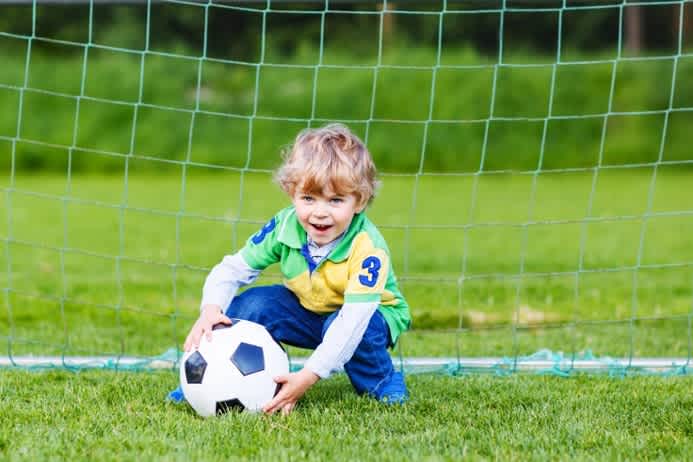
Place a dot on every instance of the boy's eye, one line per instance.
(336, 200)
(307, 198)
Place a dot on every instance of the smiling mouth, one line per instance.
(321, 227)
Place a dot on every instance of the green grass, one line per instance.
(77, 284)
(402, 119)
(107, 416)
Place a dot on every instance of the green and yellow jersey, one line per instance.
(357, 270)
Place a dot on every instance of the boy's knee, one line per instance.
(249, 305)
(260, 304)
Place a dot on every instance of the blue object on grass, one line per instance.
(176, 396)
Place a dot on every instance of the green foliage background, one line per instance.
(236, 102)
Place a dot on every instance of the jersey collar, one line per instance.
(292, 234)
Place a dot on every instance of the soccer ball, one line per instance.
(235, 370)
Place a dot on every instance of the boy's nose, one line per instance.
(320, 210)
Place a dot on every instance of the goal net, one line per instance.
(537, 172)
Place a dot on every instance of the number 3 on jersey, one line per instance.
(260, 235)
(372, 266)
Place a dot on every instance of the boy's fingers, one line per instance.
(267, 408)
(280, 406)
(189, 342)
(192, 341)
(274, 405)
(287, 408)
(195, 340)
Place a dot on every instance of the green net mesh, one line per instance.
(537, 178)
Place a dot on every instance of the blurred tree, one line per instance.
(235, 31)
(688, 23)
(633, 26)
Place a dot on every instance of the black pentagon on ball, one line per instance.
(228, 405)
(195, 367)
(248, 358)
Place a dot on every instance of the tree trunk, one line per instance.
(687, 23)
(388, 22)
(633, 23)
(681, 27)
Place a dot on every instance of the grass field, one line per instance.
(98, 265)
(108, 416)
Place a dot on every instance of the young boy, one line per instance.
(340, 295)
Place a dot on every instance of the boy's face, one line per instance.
(325, 216)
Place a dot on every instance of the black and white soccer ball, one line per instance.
(233, 371)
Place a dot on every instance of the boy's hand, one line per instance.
(294, 385)
(210, 315)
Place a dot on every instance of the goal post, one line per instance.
(534, 155)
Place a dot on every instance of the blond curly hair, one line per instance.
(330, 157)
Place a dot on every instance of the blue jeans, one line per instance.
(370, 369)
